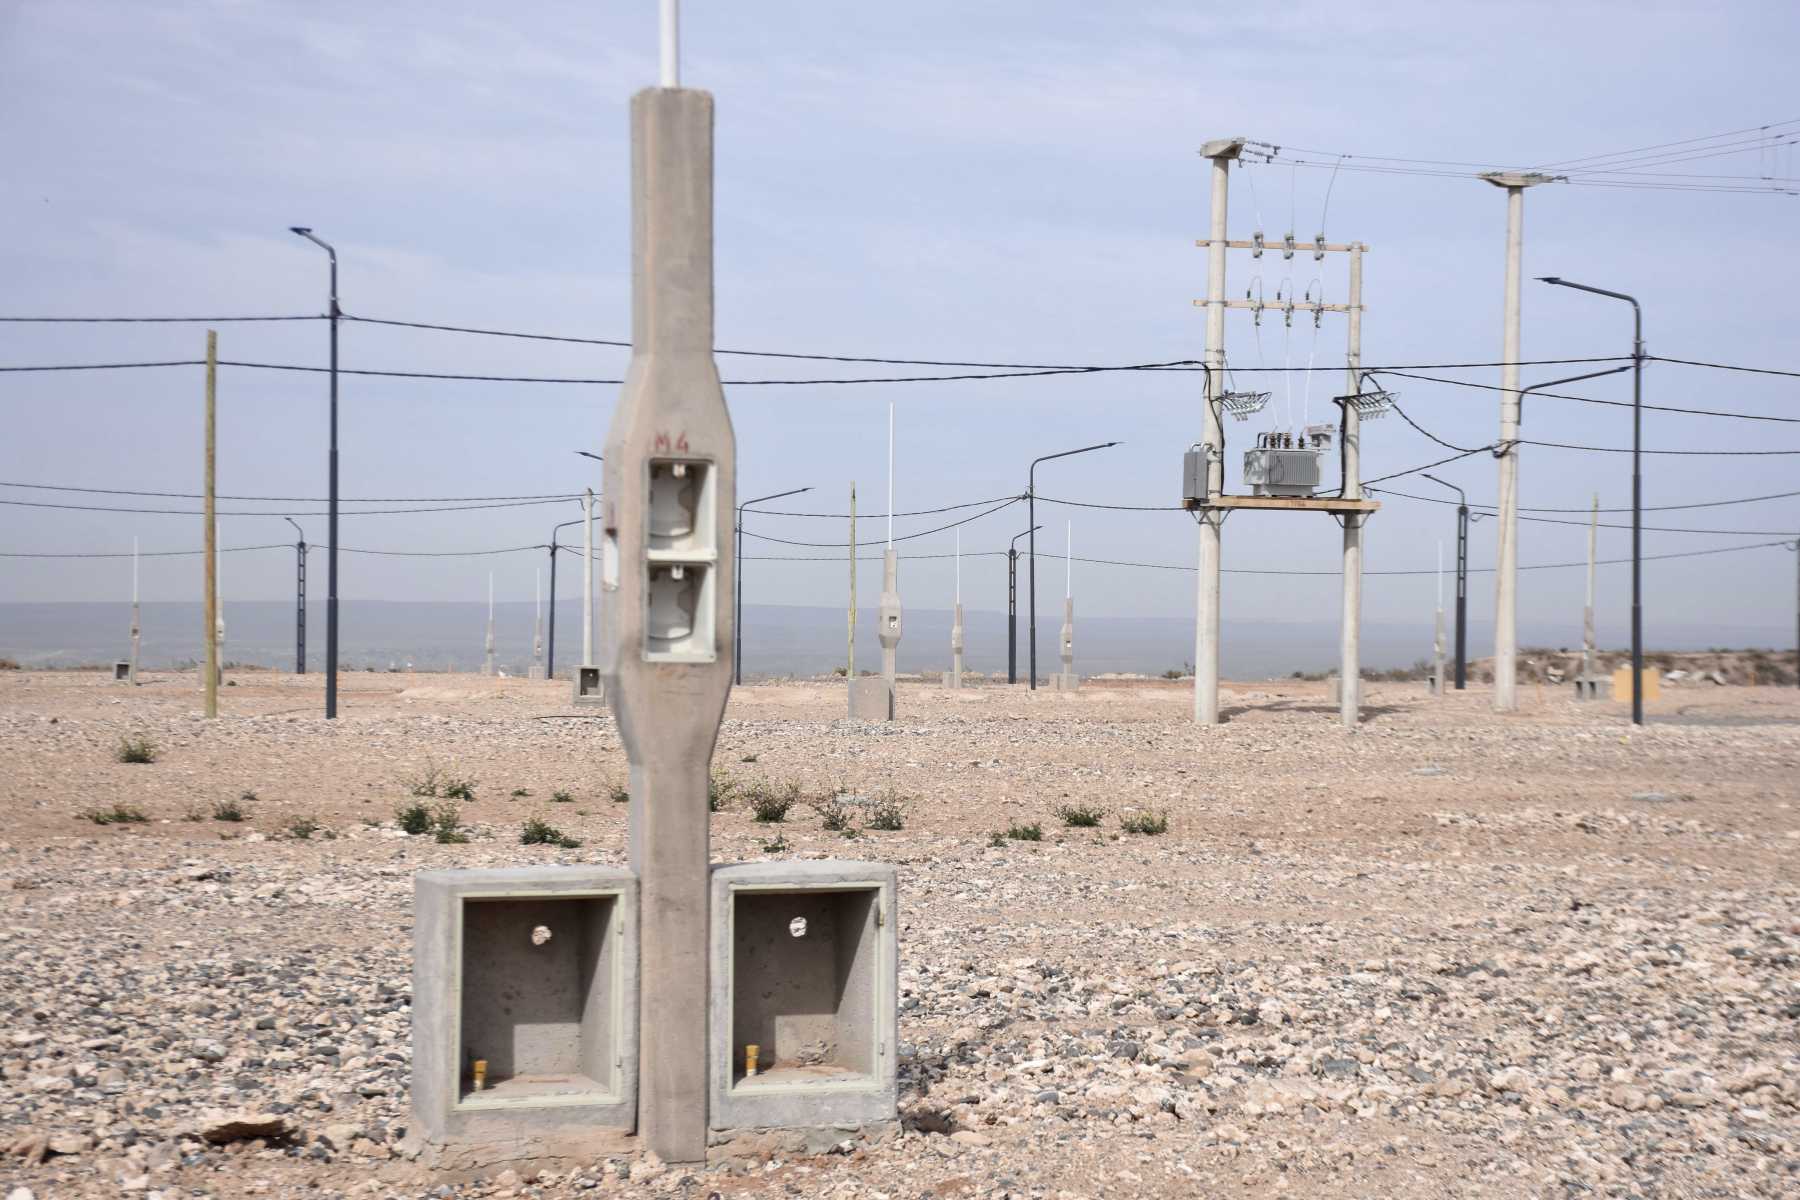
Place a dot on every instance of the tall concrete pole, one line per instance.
(1587, 612)
(956, 624)
(587, 579)
(669, 488)
(487, 667)
(211, 596)
(136, 626)
(218, 602)
(1350, 693)
(1437, 632)
(850, 668)
(1212, 435)
(537, 623)
(890, 579)
(1068, 627)
(1506, 570)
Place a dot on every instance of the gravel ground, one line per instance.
(1450, 954)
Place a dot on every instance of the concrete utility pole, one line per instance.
(1212, 435)
(136, 626)
(299, 598)
(890, 580)
(1506, 570)
(850, 669)
(1587, 612)
(219, 603)
(537, 623)
(211, 595)
(487, 665)
(587, 578)
(1437, 633)
(1350, 694)
(665, 651)
(1067, 639)
(1012, 605)
(956, 623)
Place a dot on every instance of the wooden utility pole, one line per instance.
(212, 525)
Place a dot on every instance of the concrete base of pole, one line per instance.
(953, 677)
(871, 699)
(1587, 687)
(1065, 681)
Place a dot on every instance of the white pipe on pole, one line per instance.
(587, 580)
(671, 43)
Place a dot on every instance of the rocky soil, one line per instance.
(1449, 954)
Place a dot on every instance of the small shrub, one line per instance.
(118, 814)
(138, 749)
(428, 784)
(458, 789)
(1025, 833)
(887, 814)
(7, 664)
(302, 828)
(413, 818)
(618, 795)
(776, 845)
(749, 758)
(1148, 823)
(1080, 816)
(446, 825)
(541, 833)
(996, 840)
(247, 796)
(770, 804)
(194, 813)
(561, 797)
(719, 791)
(834, 814)
(227, 810)
(522, 793)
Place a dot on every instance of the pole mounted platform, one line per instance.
(666, 628)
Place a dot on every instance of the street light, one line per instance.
(1031, 505)
(1012, 605)
(299, 599)
(587, 575)
(1462, 581)
(1637, 484)
(331, 520)
(550, 654)
(737, 618)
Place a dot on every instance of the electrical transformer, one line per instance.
(1286, 464)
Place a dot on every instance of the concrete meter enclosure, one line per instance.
(805, 960)
(524, 1002)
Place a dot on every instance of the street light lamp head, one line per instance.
(1549, 279)
(302, 230)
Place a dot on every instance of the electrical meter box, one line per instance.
(804, 995)
(524, 1002)
(1193, 476)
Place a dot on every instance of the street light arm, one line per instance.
(1550, 383)
(1461, 496)
(775, 496)
(296, 526)
(1067, 453)
(1637, 312)
(1017, 536)
(592, 455)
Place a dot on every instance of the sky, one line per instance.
(1010, 182)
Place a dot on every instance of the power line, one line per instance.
(873, 516)
(1628, 450)
(1584, 509)
(153, 320)
(1691, 362)
(1114, 507)
(1007, 503)
(151, 553)
(186, 512)
(51, 487)
(1692, 412)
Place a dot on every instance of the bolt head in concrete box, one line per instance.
(805, 961)
(532, 972)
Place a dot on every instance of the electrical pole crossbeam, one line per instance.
(1282, 306)
(1328, 248)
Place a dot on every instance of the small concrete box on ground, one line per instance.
(533, 972)
(588, 690)
(121, 672)
(805, 960)
(871, 699)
